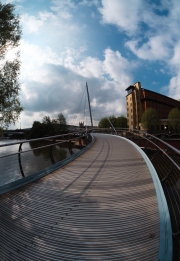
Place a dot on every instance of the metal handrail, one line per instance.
(41, 147)
(174, 167)
(165, 143)
(174, 149)
(37, 139)
(142, 132)
(52, 139)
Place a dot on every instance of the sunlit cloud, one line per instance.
(109, 44)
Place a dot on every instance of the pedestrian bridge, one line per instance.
(107, 204)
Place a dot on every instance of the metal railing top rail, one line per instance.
(16, 164)
(144, 134)
(170, 165)
(164, 152)
(160, 140)
(40, 147)
(38, 139)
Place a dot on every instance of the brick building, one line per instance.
(139, 99)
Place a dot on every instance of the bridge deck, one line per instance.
(102, 206)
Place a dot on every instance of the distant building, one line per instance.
(81, 124)
(139, 99)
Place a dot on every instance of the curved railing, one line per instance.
(27, 160)
(166, 161)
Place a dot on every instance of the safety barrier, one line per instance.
(166, 161)
(27, 160)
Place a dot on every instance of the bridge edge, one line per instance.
(166, 249)
(40, 174)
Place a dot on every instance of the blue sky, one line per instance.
(110, 44)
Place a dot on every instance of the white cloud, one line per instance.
(90, 3)
(157, 48)
(33, 59)
(11, 1)
(174, 86)
(117, 67)
(32, 23)
(154, 34)
(175, 60)
(89, 67)
(53, 83)
(63, 8)
(155, 31)
(124, 14)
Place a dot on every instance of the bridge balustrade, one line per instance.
(27, 160)
(166, 161)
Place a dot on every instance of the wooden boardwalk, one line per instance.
(101, 206)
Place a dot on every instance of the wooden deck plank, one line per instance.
(102, 206)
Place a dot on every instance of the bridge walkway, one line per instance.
(101, 206)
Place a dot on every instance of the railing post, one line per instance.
(70, 148)
(51, 153)
(80, 143)
(19, 160)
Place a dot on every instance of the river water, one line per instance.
(32, 161)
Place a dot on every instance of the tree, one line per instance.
(55, 121)
(61, 127)
(121, 122)
(40, 130)
(174, 118)
(61, 119)
(104, 123)
(46, 120)
(10, 33)
(112, 119)
(150, 119)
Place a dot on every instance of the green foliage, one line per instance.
(62, 124)
(104, 123)
(112, 119)
(61, 119)
(39, 130)
(46, 120)
(119, 122)
(48, 127)
(9, 91)
(10, 31)
(150, 119)
(10, 34)
(174, 118)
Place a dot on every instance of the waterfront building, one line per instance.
(139, 99)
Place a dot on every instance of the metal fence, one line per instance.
(22, 160)
(166, 161)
